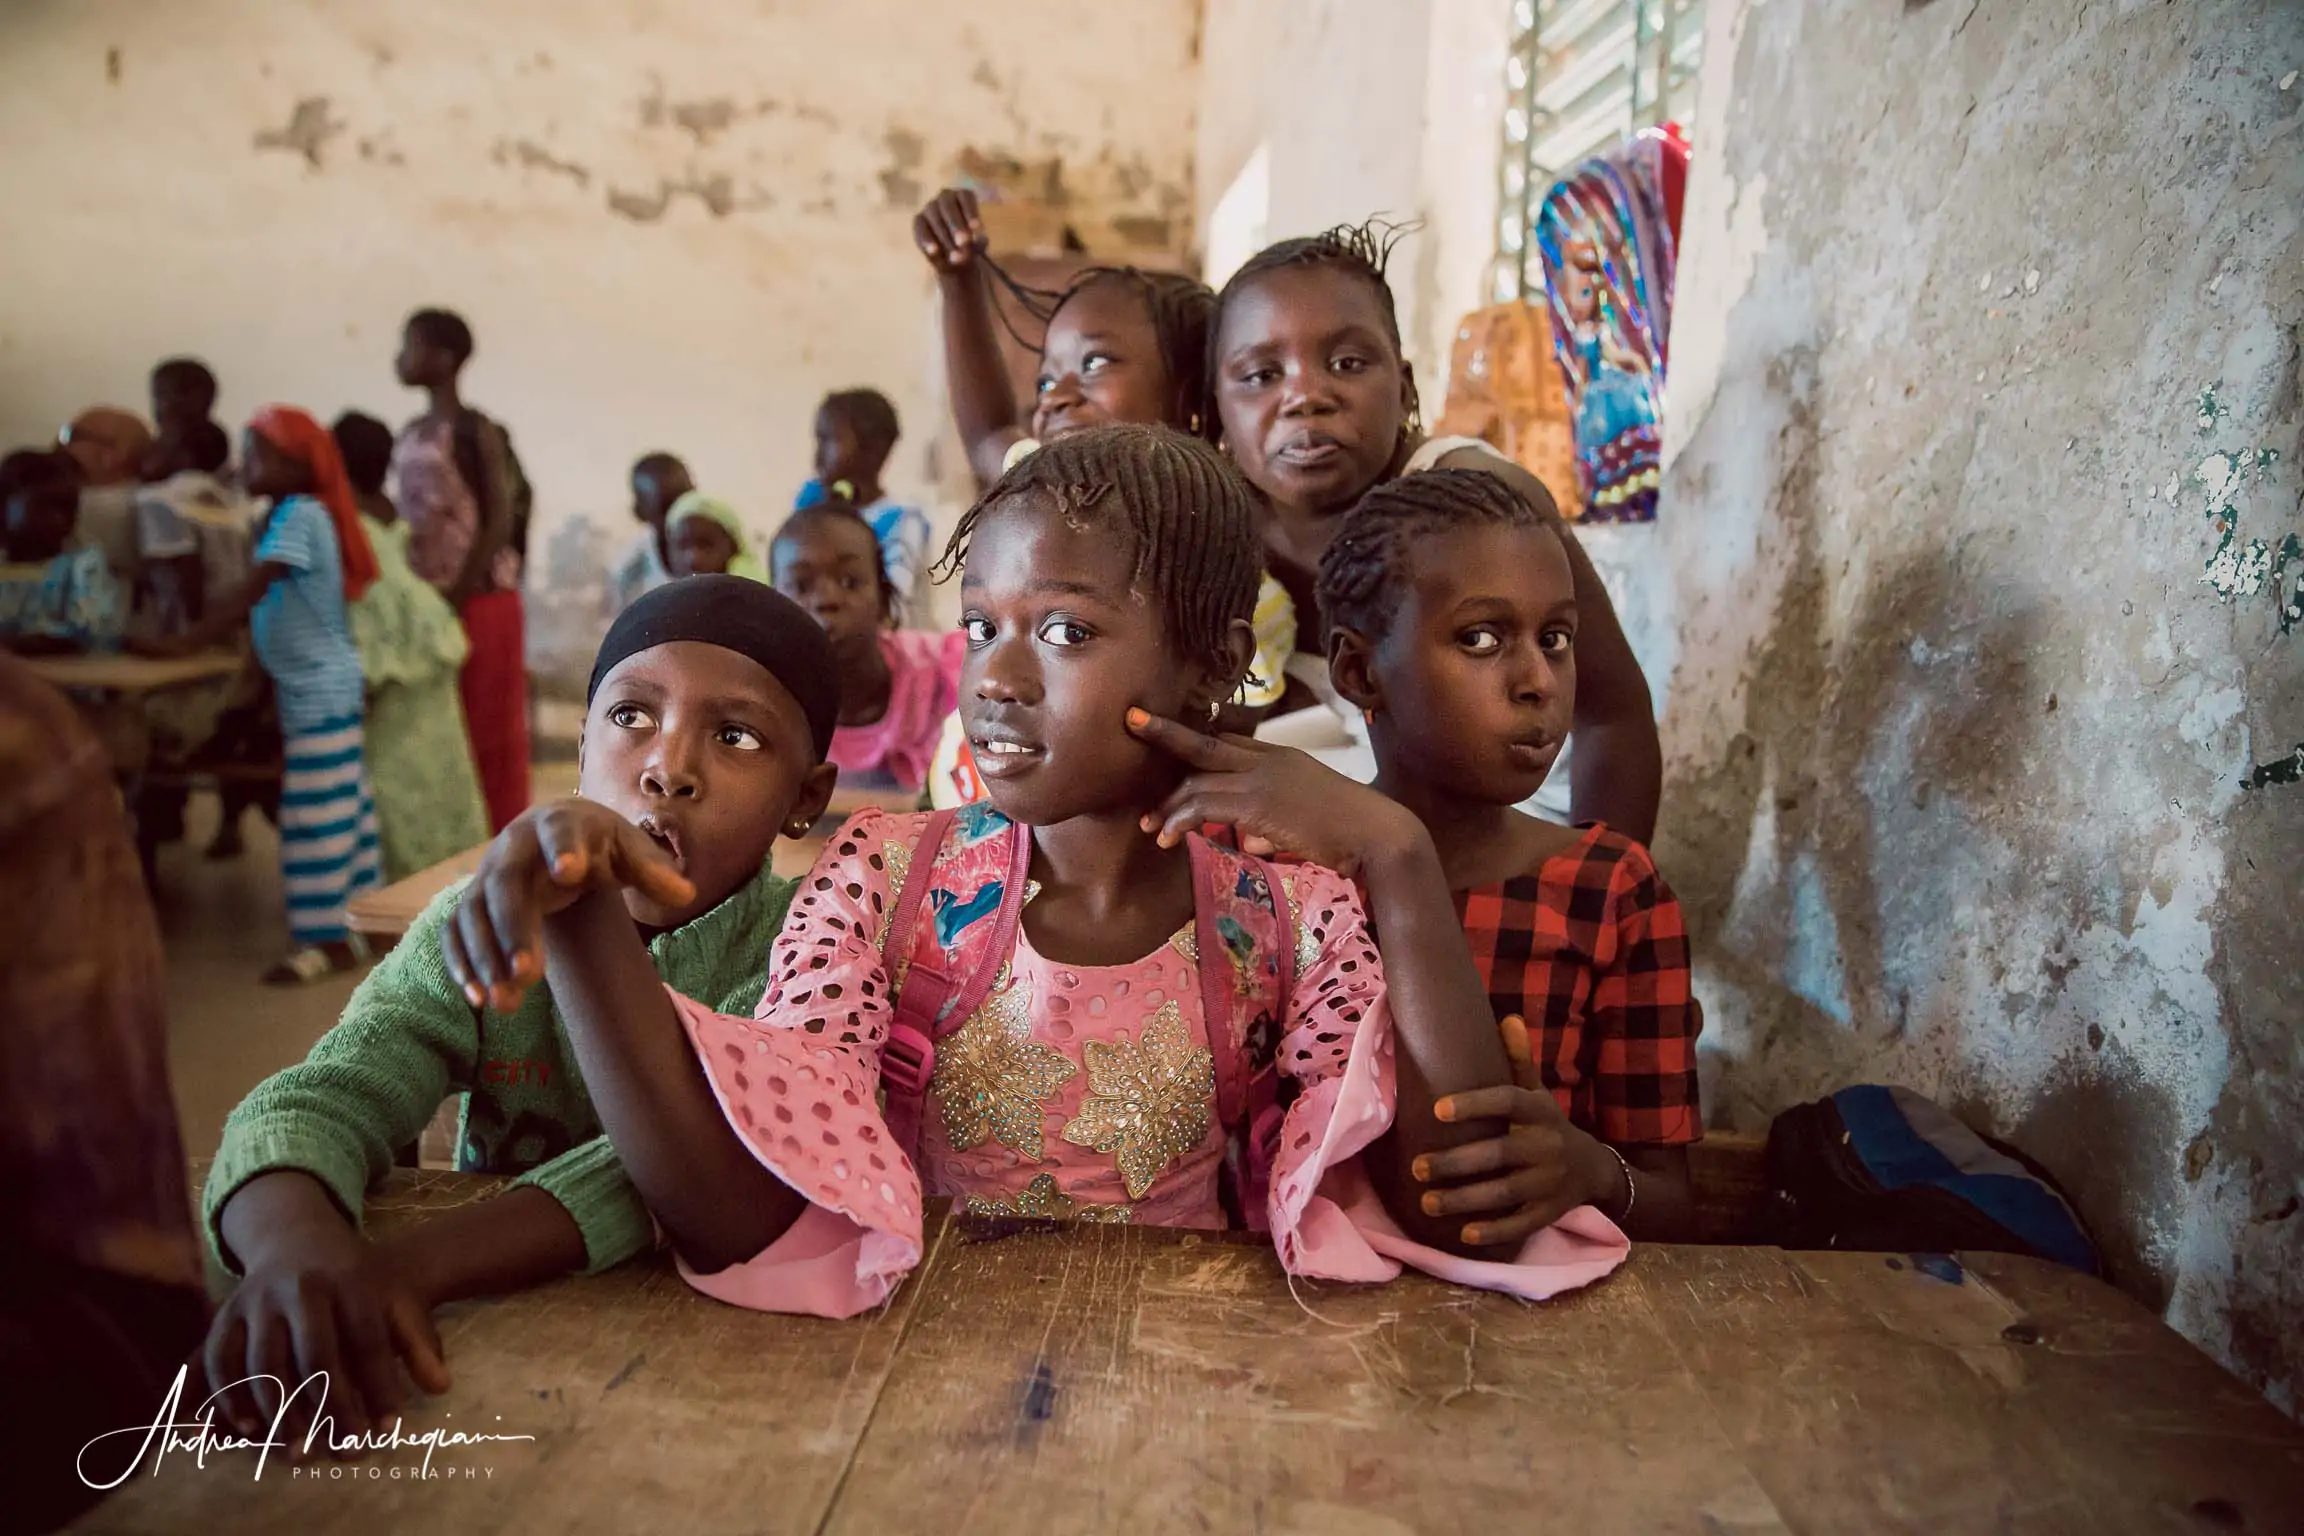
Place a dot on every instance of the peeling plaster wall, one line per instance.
(672, 223)
(1392, 107)
(1984, 425)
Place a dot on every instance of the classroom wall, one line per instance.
(1983, 737)
(1361, 107)
(673, 223)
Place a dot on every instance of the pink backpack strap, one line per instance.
(1247, 1097)
(936, 991)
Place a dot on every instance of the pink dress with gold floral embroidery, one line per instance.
(1074, 1092)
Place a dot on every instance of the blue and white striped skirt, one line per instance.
(327, 830)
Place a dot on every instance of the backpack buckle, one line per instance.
(907, 1060)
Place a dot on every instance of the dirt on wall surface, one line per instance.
(1983, 510)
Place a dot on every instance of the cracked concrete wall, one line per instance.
(1981, 502)
(671, 224)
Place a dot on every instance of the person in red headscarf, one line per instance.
(312, 560)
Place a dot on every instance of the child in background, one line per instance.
(54, 599)
(856, 431)
(658, 481)
(1119, 345)
(706, 718)
(192, 529)
(705, 537)
(1456, 626)
(428, 805)
(897, 686)
(313, 560)
(1151, 997)
(459, 486)
(1317, 406)
(183, 399)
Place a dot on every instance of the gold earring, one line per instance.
(1215, 708)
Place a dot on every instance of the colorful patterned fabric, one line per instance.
(1037, 1084)
(301, 626)
(72, 598)
(1605, 236)
(438, 504)
(296, 434)
(1591, 949)
(327, 829)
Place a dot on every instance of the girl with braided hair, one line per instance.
(1033, 1006)
(1317, 405)
(1454, 628)
(897, 686)
(1118, 344)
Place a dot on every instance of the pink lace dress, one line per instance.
(1074, 1092)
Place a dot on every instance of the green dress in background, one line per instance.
(428, 804)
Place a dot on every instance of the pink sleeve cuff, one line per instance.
(1328, 1223)
(809, 1113)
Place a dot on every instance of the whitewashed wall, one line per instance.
(672, 223)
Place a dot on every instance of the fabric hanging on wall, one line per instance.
(1606, 237)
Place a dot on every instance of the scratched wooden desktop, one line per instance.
(1059, 1380)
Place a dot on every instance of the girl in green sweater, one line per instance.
(710, 707)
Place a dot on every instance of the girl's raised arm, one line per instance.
(950, 233)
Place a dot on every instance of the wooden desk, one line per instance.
(388, 912)
(135, 674)
(1034, 1379)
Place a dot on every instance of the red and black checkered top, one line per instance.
(1591, 949)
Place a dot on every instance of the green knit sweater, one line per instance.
(408, 1039)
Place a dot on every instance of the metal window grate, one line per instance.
(1579, 75)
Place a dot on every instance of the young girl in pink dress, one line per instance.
(897, 686)
(1065, 1016)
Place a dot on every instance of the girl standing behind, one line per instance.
(1137, 1003)
(313, 560)
(1120, 345)
(428, 804)
(897, 686)
(1318, 406)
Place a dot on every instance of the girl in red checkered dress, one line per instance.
(1454, 626)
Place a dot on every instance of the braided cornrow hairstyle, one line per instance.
(837, 505)
(1365, 570)
(1188, 518)
(1182, 311)
(1364, 250)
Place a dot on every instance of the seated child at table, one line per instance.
(704, 536)
(1146, 1006)
(1456, 621)
(53, 599)
(897, 686)
(312, 561)
(658, 480)
(710, 706)
(412, 650)
(856, 431)
(183, 398)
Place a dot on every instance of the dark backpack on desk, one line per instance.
(1887, 1170)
